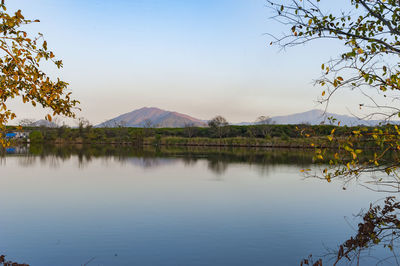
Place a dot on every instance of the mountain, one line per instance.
(43, 123)
(154, 117)
(316, 117)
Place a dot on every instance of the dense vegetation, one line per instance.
(255, 135)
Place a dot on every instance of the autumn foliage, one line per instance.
(20, 71)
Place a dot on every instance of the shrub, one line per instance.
(36, 136)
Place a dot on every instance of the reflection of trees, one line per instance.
(219, 159)
(30, 160)
(149, 162)
(189, 161)
(217, 166)
(266, 169)
(378, 233)
(27, 161)
(5, 262)
(376, 239)
(380, 225)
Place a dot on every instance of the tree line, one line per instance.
(86, 133)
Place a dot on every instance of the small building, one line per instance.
(10, 135)
(17, 135)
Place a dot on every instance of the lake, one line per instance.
(172, 206)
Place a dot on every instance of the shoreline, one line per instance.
(186, 142)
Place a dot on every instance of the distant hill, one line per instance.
(43, 123)
(317, 117)
(161, 118)
(154, 116)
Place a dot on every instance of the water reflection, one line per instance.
(379, 227)
(217, 167)
(103, 200)
(218, 159)
(376, 240)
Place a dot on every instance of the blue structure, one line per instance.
(10, 135)
(11, 150)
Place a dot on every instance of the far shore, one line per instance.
(262, 136)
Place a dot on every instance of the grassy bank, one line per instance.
(274, 136)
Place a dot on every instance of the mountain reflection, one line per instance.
(218, 159)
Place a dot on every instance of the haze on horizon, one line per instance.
(201, 58)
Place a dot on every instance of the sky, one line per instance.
(202, 58)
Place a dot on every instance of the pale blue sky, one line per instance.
(201, 58)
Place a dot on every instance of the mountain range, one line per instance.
(317, 117)
(155, 117)
(42, 123)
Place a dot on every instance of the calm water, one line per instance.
(111, 206)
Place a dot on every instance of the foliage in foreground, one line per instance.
(370, 34)
(21, 76)
(379, 228)
(5, 262)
